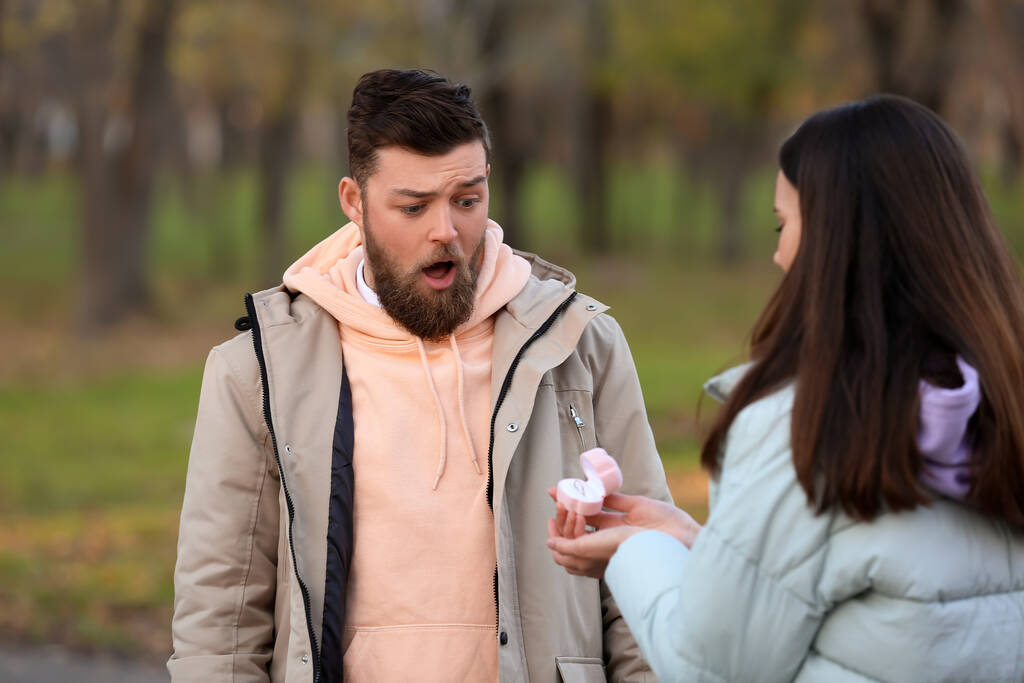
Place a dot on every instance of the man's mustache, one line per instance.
(447, 252)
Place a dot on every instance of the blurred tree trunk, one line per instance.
(914, 46)
(117, 166)
(735, 146)
(1004, 24)
(277, 139)
(508, 148)
(594, 130)
(235, 138)
(884, 21)
(9, 115)
(476, 40)
(509, 160)
(733, 176)
(277, 135)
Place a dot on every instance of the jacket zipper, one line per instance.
(505, 386)
(250, 307)
(579, 425)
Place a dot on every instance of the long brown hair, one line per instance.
(899, 268)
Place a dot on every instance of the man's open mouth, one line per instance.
(440, 274)
(438, 270)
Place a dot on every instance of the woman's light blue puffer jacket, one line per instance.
(773, 592)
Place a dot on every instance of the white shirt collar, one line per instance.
(369, 296)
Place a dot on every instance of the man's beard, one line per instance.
(427, 313)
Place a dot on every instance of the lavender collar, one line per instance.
(942, 434)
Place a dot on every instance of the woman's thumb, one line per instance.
(621, 502)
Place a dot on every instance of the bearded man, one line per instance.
(366, 497)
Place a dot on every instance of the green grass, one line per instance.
(683, 326)
(96, 443)
(89, 495)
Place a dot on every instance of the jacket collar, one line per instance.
(721, 385)
(548, 287)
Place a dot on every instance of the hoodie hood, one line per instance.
(943, 435)
(328, 273)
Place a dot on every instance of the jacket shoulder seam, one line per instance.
(772, 577)
(838, 664)
(949, 601)
(252, 392)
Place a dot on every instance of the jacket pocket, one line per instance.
(574, 415)
(580, 669)
(576, 421)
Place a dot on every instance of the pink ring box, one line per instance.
(603, 477)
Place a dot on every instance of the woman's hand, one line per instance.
(587, 554)
(566, 523)
(623, 510)
(649, 514)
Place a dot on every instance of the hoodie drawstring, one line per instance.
(440, 414)
(443, 458)
(462, 405)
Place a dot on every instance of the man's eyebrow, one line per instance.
(418, 194)
(426, 194)
(475, 181)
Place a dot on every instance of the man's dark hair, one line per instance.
(421, 111)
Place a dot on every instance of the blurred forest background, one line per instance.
(159, 158)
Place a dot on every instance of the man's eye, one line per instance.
(468, 203)
(412, 210)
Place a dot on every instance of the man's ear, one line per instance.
(487, 173)
(351, 199)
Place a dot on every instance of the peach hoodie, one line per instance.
(420, 593)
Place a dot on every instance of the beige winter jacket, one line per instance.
(266, 531)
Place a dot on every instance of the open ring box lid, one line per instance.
(603, 477)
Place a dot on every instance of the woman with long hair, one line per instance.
(867, 504)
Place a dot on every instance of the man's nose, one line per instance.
(442, 229)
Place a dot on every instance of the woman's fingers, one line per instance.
(579, 526)
(599, 545)
(568, 524)
(570, 562)
(573, 565)
(577, 565)
(553, 531)
(568, 547)
(578, 557)
(574, 525)
(560, 515)
(622, 502)
(586, 546)
(606, 520)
